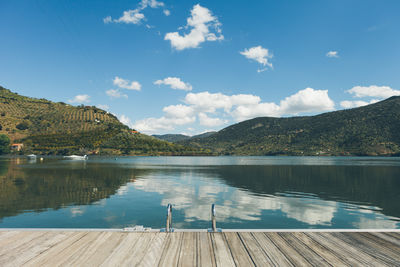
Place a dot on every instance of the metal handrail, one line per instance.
(213, 218)
(169, 218)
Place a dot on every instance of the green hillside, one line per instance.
(45, 127)
(368, 130)
(175, 138)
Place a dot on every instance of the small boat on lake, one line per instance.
(76, 157)
(31, 156)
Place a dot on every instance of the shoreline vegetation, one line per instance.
(39, 126)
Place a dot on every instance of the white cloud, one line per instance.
(79, 99)
(244, 112)
(134, 16)
(203, 27)
(357, 103)
(152, 125)
(259, 54)
(125, 120)
(373, 91)
(107, 20)
(178, 111)
(113, 93)
(207, 121)
(332, 54)
(175, 83)
(101, 106)
(126, 84)
(167, 12)
(236, 107)
(307, 100)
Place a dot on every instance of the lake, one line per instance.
(249, 192)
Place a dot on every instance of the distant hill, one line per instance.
(171, 137)
(368, 130)
(46, 127)
(174, 138)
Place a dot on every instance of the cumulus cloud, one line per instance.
(126, 84)
(80, 99)
(175, 83)
(373, 91)
(332, 54)
(203, 27)
(205, 120)
(113, 93)
(209, 107)
(101, 106)
(357, 103)
(259, 54)
(209, 102)
(307, 100)
(134, 16)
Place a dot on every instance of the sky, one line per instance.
(195, 66)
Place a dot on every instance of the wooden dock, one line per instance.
(188, 248)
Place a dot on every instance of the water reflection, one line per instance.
(53, 186)
(104, 192)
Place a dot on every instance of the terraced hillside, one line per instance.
(47, 127)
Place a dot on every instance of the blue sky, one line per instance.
(193, 66)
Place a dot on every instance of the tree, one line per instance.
(4, 144)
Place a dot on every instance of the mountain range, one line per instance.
(372, 130)
(46, 127)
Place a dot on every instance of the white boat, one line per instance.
(76, 157)
(31, 156)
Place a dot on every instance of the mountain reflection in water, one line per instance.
(250, 192)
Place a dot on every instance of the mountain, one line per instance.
(368, 130)
(171, 137)
(46, 127)
(174, 138)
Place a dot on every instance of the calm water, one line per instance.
(250, 192)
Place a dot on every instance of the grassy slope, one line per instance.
(59, 128)
(368, 130)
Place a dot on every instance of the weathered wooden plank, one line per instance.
(256, 253)
(53, 253)
(295, 258)
(153, 252)
(382, 242)
(358, 243)
(312, 257)
(354, 249)
(64, 257)
(187, 256)
(388, 238)
(124, 249)
(322, 251)
(5, 235)
(347, 254)
(171, 251)
(205, 250)
(273, 253)
(29, 250)
(89, 249)
(16, 240)
(137, 254)
(239, 252)
(377, 250)
(223, 256)
(55, 248)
